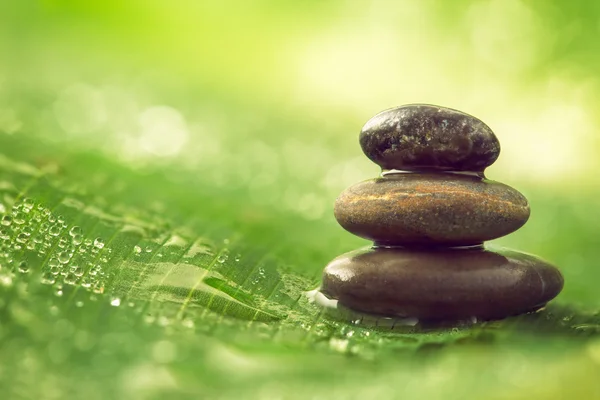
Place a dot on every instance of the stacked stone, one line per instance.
(428, 215)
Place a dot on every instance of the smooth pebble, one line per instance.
(441, 285)
(423, 136)
(431, 209)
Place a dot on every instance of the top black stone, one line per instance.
(422, 136)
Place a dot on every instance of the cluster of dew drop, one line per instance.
(66, 256)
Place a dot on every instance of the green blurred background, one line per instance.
(239, 120)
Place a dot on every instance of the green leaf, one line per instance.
(116, 282)
(164, 214)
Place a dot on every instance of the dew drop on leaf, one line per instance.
(77, 239)
(75, 231)
(19, 217)
(22, 237)
(86, 282)
(64, 257)
(71, 278)
(23, 267)
(48, 278)
(28, 204)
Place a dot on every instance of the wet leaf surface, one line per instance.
(120, 283)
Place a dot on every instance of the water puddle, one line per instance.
(193, 287)
(334, 310)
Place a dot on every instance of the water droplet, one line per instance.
(259, 277)
(237, 258)
(23, 267)
(55, 270)
(64, 257)
(77, 239)
(19, 217)
(60, 219)
(6, 220)
(75, 231)
(98, 243)
(22, 237)
(223, 257)
(79, 303)
(4, 234)
(28, 204)
(76, 270)
(137, 249)
(54, 230)
(116, 302)
(71, 278)
(48, 278)
(53, 262)
(86, 282)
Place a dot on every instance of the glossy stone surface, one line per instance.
(431, 209)
(441, 285)
(418, 136)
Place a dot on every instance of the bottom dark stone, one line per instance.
(441, 284)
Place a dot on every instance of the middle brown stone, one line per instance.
(431, 209)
